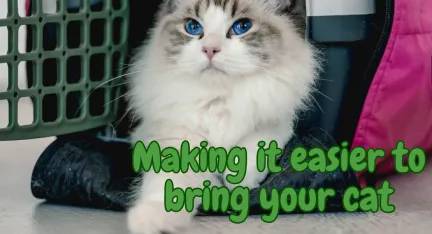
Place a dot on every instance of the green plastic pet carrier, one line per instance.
(71, 57)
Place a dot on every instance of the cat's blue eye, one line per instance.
(241, 26)
(193, 27)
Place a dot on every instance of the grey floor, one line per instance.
(20, 213)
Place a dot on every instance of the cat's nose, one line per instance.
(211, 51)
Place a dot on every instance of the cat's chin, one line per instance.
(213, 70)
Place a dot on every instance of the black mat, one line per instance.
(82, 170)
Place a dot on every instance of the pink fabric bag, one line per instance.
(399, 102)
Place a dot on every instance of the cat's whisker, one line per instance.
(317, 103)
(326, 80)
(99, 86)
(124, 66)
(373, 24)
(124, 95)
(120, 84)
(132, 122)
(130, 64)
(116, 78)
(117, 123)
(121, 96)
(317, 91)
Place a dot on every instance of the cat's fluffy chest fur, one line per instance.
(221, 115)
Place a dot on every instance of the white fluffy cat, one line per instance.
(231, 72)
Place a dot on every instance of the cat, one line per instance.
(230, 72)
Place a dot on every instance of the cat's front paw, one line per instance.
(252, 179)
(151, 218)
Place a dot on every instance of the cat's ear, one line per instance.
(293, 9)
(167, 7)
(296, 7)
(170, 5)
(280, 6)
